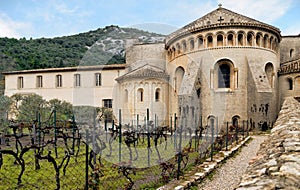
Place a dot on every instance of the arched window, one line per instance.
(209, 41)
(240, 39)
(235, 121)
(291, 52)
(290, 83)
(179, 73)
(126, 96)
(224, 76)
(200, 42)
(266, 43)
(272, 42)
(157, 95)
(211, 121)
(220, 40)
(178, 49)
(140, 95)
(184, 46)
(269, 69)
(192, 44)
(249, 39)
(230, 40)
(58, 80)
(258, 40)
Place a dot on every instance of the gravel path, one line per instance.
(227, 177)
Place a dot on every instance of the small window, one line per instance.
(232, 20)
(20, 83)
(157, 95)
(184, 46)
(192, 45)
(240, 39)
(107, 103)
(209, 41)
(98, 79)
(58, 81)
(258, 40)
(39, 81)
(230, 40)
(220, 40)
(290, 81)
(224, 76)
(249, 39)
(77, 80)
(291, 52)
(200, 42)
(140, 95)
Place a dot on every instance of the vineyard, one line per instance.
(72, 154)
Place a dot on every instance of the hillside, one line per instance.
(105, 44)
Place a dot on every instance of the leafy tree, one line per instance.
(63, 109)
(5, 105)
(29, 105)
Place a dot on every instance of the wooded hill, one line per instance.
(101, 46)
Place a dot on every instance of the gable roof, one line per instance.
(145, 72)
(220, 17)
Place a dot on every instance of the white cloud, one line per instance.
(10, 28)
(264, 10)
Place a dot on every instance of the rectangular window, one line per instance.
(77, 80)
(98, 79)
(20, 83)
(58, 81)
(107, 103)
(39, 81)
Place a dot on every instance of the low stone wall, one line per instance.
(277, 164)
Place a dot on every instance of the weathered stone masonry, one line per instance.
(277, 164)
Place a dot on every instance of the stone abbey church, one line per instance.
(223, 65)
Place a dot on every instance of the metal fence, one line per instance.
(107, 155)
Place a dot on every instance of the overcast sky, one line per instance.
(51, 18)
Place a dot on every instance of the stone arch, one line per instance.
(230, 38)
(209, 40)
(211, 120)
(224, 72)
(173, 52)
(266, 41)
(220, 39)
(178, 48)
(191, 44)
(250, 38)
(258, 39)
(240, 38)
(200, 42)
(272, 42)
(179, 73)
(269, 70)
(184, 46)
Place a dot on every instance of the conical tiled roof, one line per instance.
(219, 18)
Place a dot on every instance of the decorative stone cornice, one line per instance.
(219, 18)
(289, 67)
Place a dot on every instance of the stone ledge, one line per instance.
(277, 164)
(206, 168)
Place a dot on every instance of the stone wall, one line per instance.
(277, 164)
